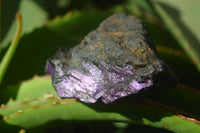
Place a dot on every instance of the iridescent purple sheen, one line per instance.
(108, 82)
(50, 68)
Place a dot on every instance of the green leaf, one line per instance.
(180, 64)
(182, 19)
(32, 14)
(37, 103)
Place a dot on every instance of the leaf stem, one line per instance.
(187, 88)
(11, 50)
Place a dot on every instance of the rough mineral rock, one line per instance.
(115, 60)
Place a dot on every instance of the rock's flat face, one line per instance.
(115, 60)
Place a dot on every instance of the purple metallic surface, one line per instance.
(50, 68)
(107, 82)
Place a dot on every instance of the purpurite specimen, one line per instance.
(115, 60)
